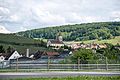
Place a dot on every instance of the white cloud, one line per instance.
(23, 28)
(117, 19)
(43, 16)
(3, 30)
(76, 18)
(14, 18)
(39, 13)
(115, 15)
(4, 11)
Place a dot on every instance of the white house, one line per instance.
(14, 55)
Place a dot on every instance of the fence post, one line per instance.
(97, 64)
(10, 64)
(17, 65)
(2, 64)
(106, 63)
(74, 66)
(48, 65)
(78, 63)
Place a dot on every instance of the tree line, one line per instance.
(8, 50)
(88, 31)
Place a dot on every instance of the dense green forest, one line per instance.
(86, 31)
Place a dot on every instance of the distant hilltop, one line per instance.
(77, 32)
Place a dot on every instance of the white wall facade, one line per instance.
(15, 55)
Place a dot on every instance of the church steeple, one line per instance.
(59, 37)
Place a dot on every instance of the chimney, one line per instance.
(27, 53)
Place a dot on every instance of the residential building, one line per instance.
(13, 55)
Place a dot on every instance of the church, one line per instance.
(56, 43)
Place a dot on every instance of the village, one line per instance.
(60, 51)
(59, 39)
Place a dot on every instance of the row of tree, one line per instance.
(89, 31)
(8, 50)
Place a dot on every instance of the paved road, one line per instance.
(55, 74)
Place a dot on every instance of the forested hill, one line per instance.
(88, 31)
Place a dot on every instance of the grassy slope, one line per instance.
(16, 39)
(112, 41)
(22, 49)
(8, 40)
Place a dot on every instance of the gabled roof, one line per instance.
(38, 54)
(10, 56)
(7, 56)
(51, 53)
(55, 41)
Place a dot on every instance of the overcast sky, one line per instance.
(19, 15)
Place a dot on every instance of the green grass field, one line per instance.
(75, 78)
(112, 41)
(16, 39)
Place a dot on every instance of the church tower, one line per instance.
(59, 37)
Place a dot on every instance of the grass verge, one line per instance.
(74, 78)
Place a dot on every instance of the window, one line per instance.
(14, 57)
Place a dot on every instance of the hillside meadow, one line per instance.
(114, 41)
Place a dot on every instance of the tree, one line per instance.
(9, 49)
(2, 50)
(43, 43)
(83, 54)
(110, 52)
(93, 36)
(77, 32)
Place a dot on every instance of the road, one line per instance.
(54, 74)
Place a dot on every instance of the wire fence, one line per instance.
(38, 66)
(67, 66)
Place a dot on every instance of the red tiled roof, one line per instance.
(52, 53)
(56, 42)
